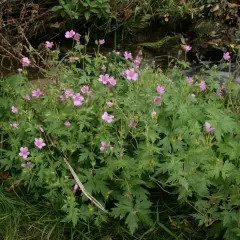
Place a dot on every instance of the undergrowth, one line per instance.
(97, 144)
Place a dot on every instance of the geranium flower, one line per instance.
(137, 62)
(109, 104)
(37, 93)
(14, 109)
(127, 55)
(78, 99)
(27, 97)
(14, 124)
(107, 117)
(104, 145)
(160, 89)
(101, 41)
(84, 89)
(131, 75)
(25, 61)
(67, 124)
(75, 188)
(208, 127)
(202, 85)
(77, 37)
(190, 80)
(187, 48)
(105, 79)
(157, 100)
(24, 152)
(226, 56)
(49, 44)
(70, 34)
(39, 143)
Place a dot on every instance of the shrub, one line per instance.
(121, 131)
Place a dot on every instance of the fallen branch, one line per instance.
(83, 189)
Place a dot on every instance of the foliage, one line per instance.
(86, 8)
(152, 134)
(132, 15)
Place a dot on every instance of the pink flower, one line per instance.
(160, 89)
(104, 145)
(187, 48)
(14, 109)
(75, 188)
(157, 100)
(107, 79)
(19, 70)
(153, 114)
(190, 80)
(67, 124)
(39, 143)
(27, 97)
(103, 67)
(107, 118)
(84, 89)
(127, 55)
(101, 41)
(49, 44)
(137, 62)
(131, 74)
(78, 99)
(37, 93)
(68, 93)
(226, 56)
(70, 34)
(109, 104)
(132, 124)
(76, 36)
(25, 61)
(14, 124)
(24, 152)
(208, 127)
(104, 78)
(112, 81)
(203, 85)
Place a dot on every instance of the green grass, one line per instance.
(22, 218)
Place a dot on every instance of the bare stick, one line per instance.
(85, 192)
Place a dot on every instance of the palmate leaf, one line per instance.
(73, 213)
(222, 122)
(135, 211)
(228, 170)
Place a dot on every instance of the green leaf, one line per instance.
(132, 222)
(87, 15)
(227, 169)
(56, 8)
